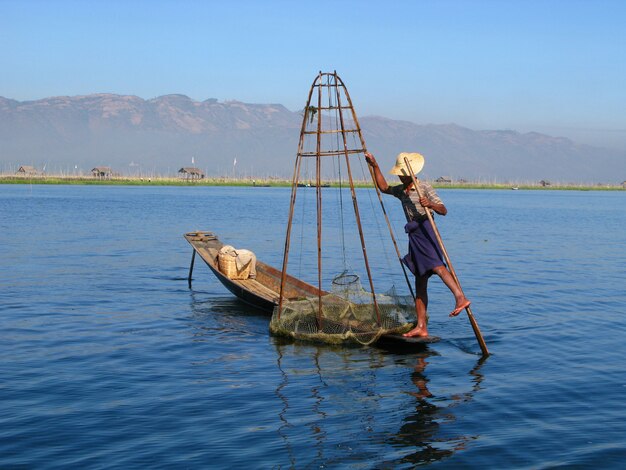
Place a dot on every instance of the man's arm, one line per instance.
(431, 200)
(439, 208)
(380, 180)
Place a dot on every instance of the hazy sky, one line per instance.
(554, 66)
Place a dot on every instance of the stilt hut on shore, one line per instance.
(190, 173)
(27, 170)
(102, 172)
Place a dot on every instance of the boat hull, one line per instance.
(263, 292)
(239, 291)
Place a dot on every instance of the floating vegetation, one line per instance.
(278, 182)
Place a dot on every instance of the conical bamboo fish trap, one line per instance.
(347, 312)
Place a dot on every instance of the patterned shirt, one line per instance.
(413, 210)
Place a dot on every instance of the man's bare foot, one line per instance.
(417, 332)
(460, 306)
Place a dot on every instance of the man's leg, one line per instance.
(448, 280)
(421, 304)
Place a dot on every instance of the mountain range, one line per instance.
(161, 135)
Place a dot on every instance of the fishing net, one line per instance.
(347, 313)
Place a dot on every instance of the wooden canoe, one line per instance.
(263, 291)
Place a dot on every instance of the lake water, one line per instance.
(109, 360)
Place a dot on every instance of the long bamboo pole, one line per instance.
(356, 205)
(318, 192)
(294, 190)
(470, 315)
(193, 258)
(371, 171)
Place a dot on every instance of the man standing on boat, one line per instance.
(424, 256)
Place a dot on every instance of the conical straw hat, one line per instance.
(416, 161)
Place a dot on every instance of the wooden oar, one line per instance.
(470, 315)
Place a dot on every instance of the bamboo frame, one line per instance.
(332, 81)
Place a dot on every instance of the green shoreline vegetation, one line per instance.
(277, 182)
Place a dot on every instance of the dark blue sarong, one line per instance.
(424, 253)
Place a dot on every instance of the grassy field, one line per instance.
(127, 181)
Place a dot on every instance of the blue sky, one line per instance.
(554, 66)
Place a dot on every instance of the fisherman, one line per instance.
(424, 257)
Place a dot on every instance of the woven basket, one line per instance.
(228, 266)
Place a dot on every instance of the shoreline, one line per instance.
(275, 182)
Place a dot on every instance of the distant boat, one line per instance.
(308, 185)
(515, 188)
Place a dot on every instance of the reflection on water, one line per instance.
(225, 314)
(421, 431)
(337, 403)
(421, 437)
(317, 431)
